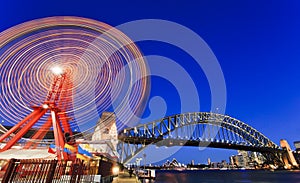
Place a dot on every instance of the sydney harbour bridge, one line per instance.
(199, 129)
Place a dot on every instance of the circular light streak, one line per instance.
(93, 53)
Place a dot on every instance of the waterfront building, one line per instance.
(245, 159)
(256, 157)
(214, 165)
(218, 165)
(224, 164)
(238, 161)
(173, 164)
(245, 156)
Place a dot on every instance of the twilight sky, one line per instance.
(256, 43)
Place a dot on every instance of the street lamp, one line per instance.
(144, 155)
(138, 161)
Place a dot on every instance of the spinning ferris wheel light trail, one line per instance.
(90, 66)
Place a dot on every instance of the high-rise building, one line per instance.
(208, 161)
(231, 160)
(192, 162)
(256, 157)
(224, 164)
(297, 154)
(297, 145)
(239, 161)
(245, 157)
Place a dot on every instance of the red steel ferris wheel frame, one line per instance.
(56, 102)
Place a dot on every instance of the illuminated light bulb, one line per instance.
(115, 170)
(57, 70)
(45, 106)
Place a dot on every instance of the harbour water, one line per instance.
(230, 176)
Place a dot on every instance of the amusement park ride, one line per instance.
(57, 119)
(94, 67)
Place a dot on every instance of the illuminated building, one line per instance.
(106, 134)
(297, 154)
(297, 145)
(239, 161)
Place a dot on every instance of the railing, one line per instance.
(51, 171)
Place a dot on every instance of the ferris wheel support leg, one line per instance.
(40, 134)
(24, 130)
(17, 126)
(65, 123)
(58, 137)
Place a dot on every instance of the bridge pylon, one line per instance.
(288, 156)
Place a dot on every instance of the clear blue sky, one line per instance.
(256, 42)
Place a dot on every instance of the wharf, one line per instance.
(124, 177)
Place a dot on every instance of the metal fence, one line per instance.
(51, 171)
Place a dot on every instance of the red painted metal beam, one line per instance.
(40, 134)
(65, 122)
(58, 136)
(64, 102)
(17, 126)
(25, 129)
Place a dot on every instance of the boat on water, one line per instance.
(223, 168)
(145, 174)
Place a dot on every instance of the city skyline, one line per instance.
(256, 44)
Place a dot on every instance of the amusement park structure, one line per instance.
(94, 67)
(58, 119)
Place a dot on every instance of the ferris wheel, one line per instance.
(60, 73)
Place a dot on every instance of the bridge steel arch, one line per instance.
(204, 129)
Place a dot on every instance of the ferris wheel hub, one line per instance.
(57, 70)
